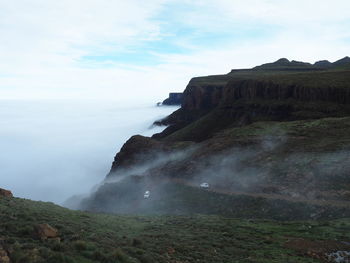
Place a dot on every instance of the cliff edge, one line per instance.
(276, 135)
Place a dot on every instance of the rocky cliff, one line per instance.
(266, 132)
(259, 94)
(175, 98)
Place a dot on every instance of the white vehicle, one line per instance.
(147, 194)
(204, 185)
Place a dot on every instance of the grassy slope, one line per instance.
(90, 237)
(309, 160)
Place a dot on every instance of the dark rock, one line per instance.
(175, 98)
(323, 64)
(249, 95)
(233, 112)
(135, 151)
(5, 193)
(285, 64)
(342, 62)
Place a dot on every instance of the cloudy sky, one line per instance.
(114, 49)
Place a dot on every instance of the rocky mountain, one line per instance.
(175, 98)
(254, 167)
(272, 142)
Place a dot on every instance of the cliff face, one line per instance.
(254, 133)
(175, 98)
(269, 90)
(252, 95)
(204, 97)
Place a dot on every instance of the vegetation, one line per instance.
(274, 151)
(87, 237)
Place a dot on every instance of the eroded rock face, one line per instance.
(269, 90)
(202, 97)
(5, 193)
(45, 231)
(136, 150)
(175, 98)
(262, 95)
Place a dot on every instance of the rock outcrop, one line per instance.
(175, 98)
(252, 132)
(272, 90)
(4, 257)
(135, 151)
(263, 93)
(5, 193)
(45, 231)
(285, 64)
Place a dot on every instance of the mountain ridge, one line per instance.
(287, 110)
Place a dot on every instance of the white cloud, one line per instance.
(42, 41)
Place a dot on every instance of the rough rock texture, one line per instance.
(241, 97)
(5, 193)
(136, 149)
(175, 98)
(250, 132)
(269, 90)
(202, 97)
(4, 258)
(45, 231)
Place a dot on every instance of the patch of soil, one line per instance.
(317, 249)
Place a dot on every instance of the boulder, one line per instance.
(4, 258)
(5, 193)
(45, 231)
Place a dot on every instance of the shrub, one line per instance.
(119, 256)
(80, 245)
(136, 242)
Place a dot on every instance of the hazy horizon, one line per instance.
(52, 150)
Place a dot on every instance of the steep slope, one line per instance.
(281, 136)
(250, 95)
(279, 170)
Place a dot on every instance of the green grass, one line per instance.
(87, 237)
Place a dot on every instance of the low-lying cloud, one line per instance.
(51, 150)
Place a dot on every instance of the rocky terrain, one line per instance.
(175, 98)
(272, 142)
(254, 167)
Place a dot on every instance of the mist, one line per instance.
(262, 177)
(51, 150)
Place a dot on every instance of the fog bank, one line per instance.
(51, 150)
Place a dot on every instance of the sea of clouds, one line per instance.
(51, 150)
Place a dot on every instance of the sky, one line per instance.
(141, 50)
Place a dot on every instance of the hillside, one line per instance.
(87, 237)
(264, 93)
(271, 143)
